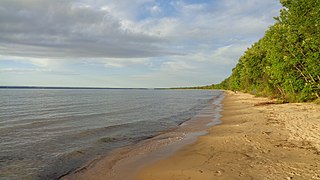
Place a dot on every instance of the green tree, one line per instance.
(285, 63)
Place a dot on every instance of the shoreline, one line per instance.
(125, 162)
(257, 140)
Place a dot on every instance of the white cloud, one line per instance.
(117, 34)
(176, 66)
(40, 62)
(120, 63)
(229, 54)
(154, 10)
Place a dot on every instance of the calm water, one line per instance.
(47, 133)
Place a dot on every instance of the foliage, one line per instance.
(285, 63)
(317, 101)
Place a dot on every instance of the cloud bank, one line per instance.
(122, 43)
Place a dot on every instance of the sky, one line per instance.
(127, 43)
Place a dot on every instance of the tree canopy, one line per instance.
(285, 63)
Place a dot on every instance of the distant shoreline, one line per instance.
(54, 87)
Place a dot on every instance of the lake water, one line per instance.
(45, 134)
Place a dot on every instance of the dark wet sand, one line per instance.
(257, 140)
(124, 163)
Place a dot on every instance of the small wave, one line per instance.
(65, 132)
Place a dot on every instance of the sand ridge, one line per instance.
(257, 140)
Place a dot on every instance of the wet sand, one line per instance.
(124, 163)
(257, 140)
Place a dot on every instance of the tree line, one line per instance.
(285, 63)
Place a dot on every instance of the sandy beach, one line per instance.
(258, 139)
(125, 162)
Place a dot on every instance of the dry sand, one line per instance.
(257, 140)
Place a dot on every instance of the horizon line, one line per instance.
(68, 87)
